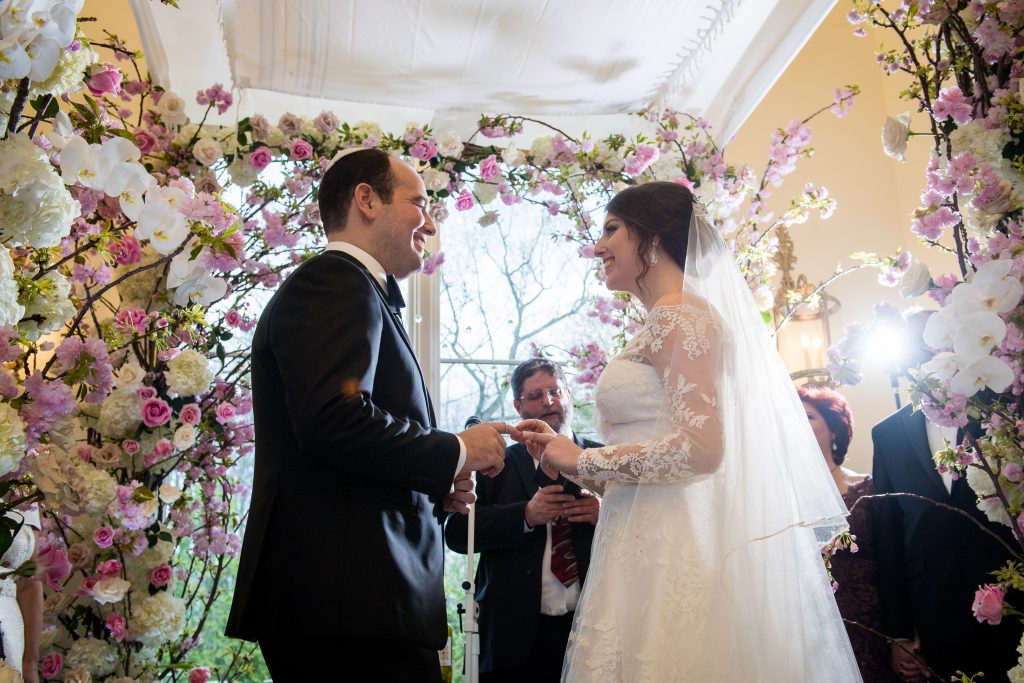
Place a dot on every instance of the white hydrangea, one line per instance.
(137, 568)
(35, 207)
(120, 414)
(189, 373)
(100, 488)
(69, 74)
(10, 310)
(12, 439)
(98, 656)
(242, 172)
(159, 619)
(542, 150)
(50, 308)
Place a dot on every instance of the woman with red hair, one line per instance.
(855, 573)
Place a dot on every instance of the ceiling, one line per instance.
(578, 64)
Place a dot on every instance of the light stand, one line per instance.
(470, 629)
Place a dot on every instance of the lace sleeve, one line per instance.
(683, 343)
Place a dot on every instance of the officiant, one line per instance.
(534, 531)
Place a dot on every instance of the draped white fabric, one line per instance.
(579, 63)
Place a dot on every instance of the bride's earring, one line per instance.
(652, 256)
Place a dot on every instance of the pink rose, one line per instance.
(300, 150)
(489, 168)
(52, 664)
(465, 201)
(144, 140)
(225, 412)
(260, 158)
(126, 251)
(423, 149)
(116, 625)
(233, 318)
(145, 393)
(200, 674)
(103, 79)
(326, 122)
(160, 576)
(155, 412)
(52, 566)
(130, 446)
(988, 604)
(103, 537)
(163, 448)
(190, 414)
(85, 590)
(109, 569)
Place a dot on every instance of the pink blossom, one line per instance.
(109, 569)
(300, 150)
(424, 149)
(489, 169)
(988, 604)
(52, 664)
(432, 263)
(155, 412)
(326, 122)
(200, 674)
(842, 102)
(951, 102)
(1013, 471)
(161, 576)
(464, 201)
(117, 626)
(144, 140)
(52, 565)
(190, 414)
(103, 79)
(130, 446)
(641, 159)
(103, 537)
(260, 158)
(130, 319)
(126, 250)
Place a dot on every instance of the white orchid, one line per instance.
(987, 371)
(129, 182)
(942, 366)
(976, 334)
(32, 35)
(161, 221)
(192, 281)
(938, 331)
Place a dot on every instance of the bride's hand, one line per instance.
(532, 426)
(558, 450)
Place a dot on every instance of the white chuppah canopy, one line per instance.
(578, 64)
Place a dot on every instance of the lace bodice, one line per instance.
(657, 402)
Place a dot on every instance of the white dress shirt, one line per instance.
(556, 598)
(938, 439)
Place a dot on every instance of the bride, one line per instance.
(706, 563)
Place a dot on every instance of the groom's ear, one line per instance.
(366, 201)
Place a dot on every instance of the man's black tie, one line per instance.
(395, 298)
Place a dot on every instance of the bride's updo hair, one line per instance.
(656, 209)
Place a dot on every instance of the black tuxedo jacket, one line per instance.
(508, 579)
(343, 536)
(931, 560)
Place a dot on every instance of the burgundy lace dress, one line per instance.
(857, 596)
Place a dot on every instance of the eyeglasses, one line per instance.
(552, 392)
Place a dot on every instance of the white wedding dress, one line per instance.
(661, 602)
(11, 623)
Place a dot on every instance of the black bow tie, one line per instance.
(395, 298)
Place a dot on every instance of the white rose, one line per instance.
(130, 375)
(895, 132)
(172, 109)
(111, 590)
(513, 156)
(485, 192)
(168, 494)
(915, 280)
(149, 507)
(207, 151)
(449, 144)
(184, 437)
(242, 173)
(435, 180)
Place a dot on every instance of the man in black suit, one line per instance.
(342, 557)
(526, 611)
(932, 559)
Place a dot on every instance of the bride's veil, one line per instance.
(728, 560)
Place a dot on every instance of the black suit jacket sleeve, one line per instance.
(897, 615)
(326, 341)
(497, 526)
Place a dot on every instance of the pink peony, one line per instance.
(260, 158)
(103, 79)
(103, 537)
(155, 412)
(988, 604)
(161, 576)
(200, 674)
(52, 566)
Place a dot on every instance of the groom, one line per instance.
(342, 556)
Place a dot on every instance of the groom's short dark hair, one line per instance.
(529, 368)
(334, 196)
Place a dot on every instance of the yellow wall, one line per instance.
(875, 195)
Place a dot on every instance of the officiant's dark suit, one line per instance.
(342, 556)
(517, 642)
(932, 560)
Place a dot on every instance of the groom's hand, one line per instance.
(485, 447)
(461, 495)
